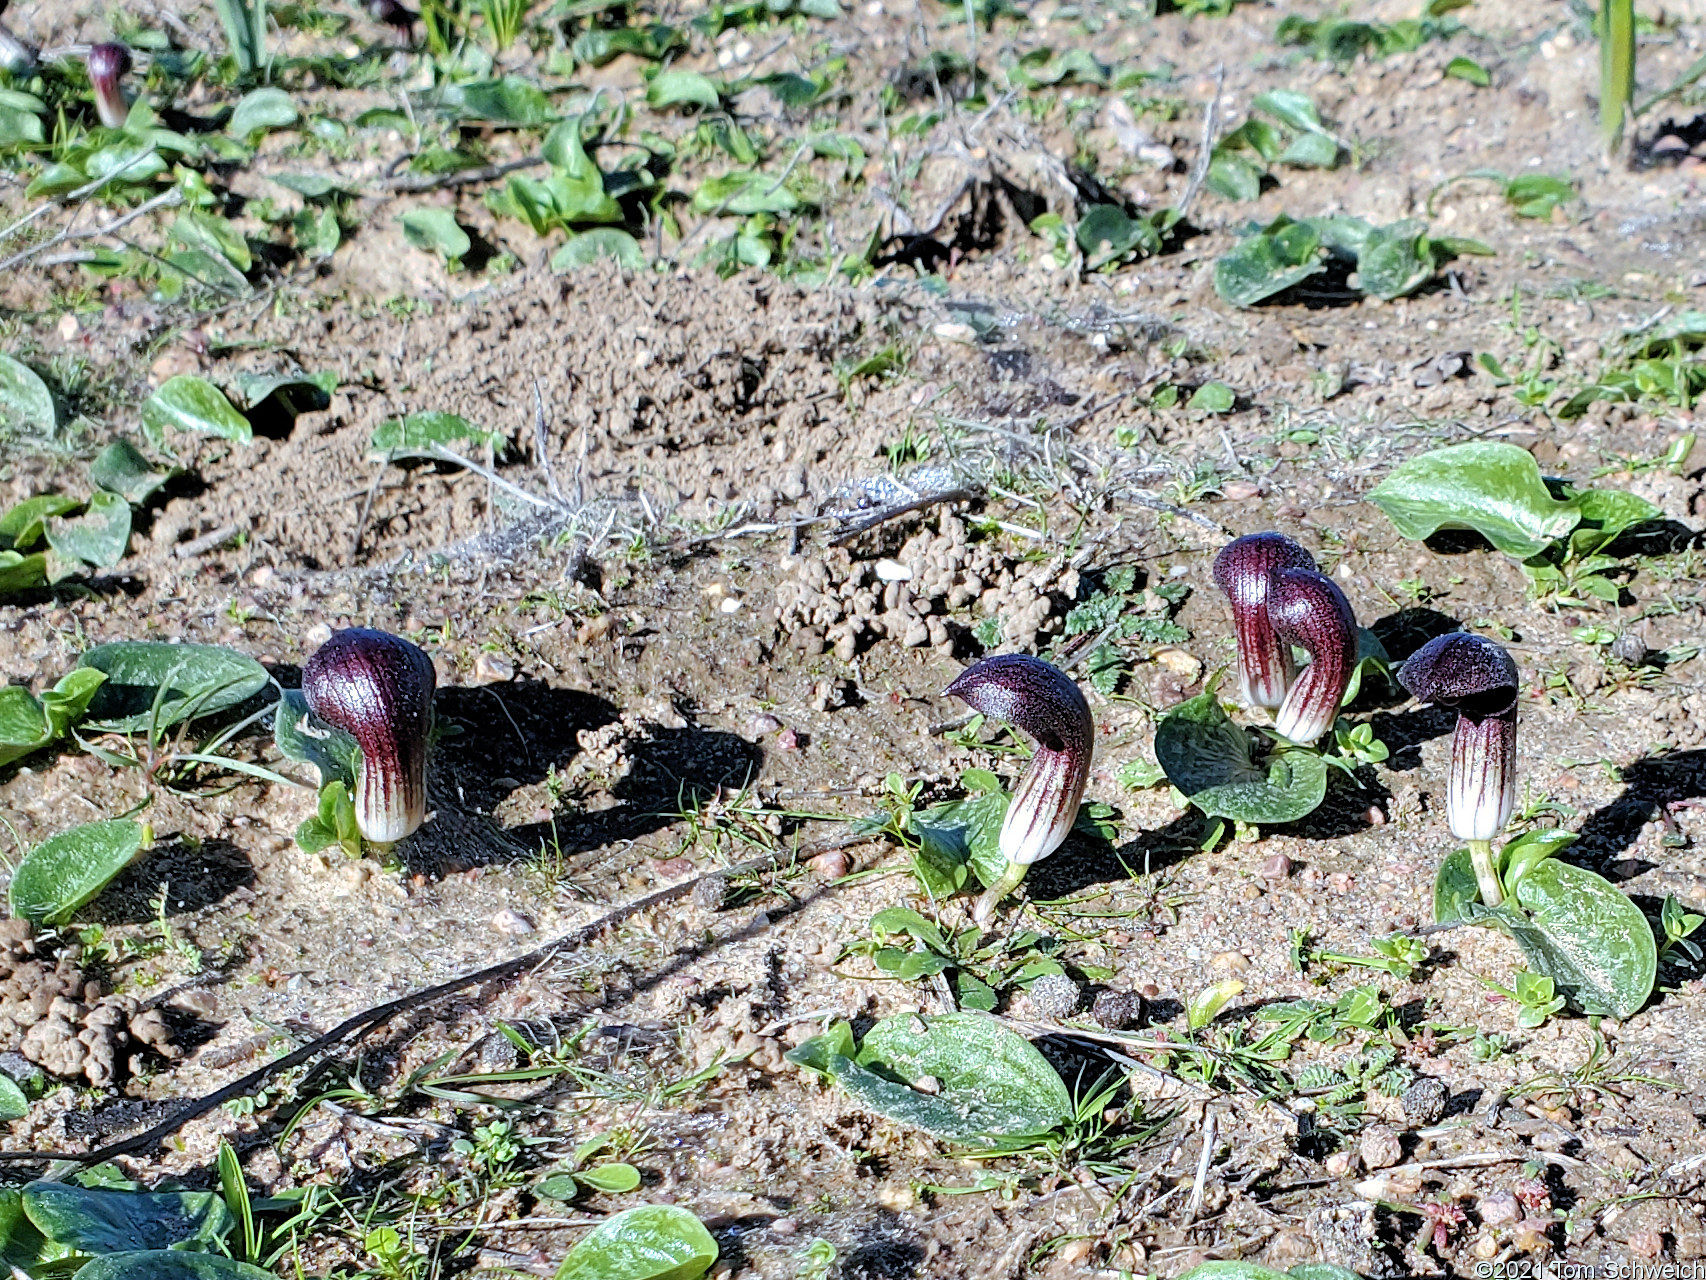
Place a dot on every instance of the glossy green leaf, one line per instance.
(28, 723)
(683, 89)
(21, 572)
(1212, 397)
(163, 1265)
(745, 191)
(98, 537)
(612, 1179)
(597, 244)
(1206, 1005)
(1574, 927)
(1212, 762)
(189, 403)
(25, 524)
(436, 231)
(1311, 151)
(1283, 254)
(512, 100)
(988, 1081)
(1107, 232)
(651, 1242)
(13, 1104)
(66, 871)
(310, 186)
(19, 128)
(120, 468)
(1392, 261)
(196, 679)
(961, 834)
(415, 436)
(1488, 486)
(302, 736)
(1295, 110)
(214, 236)
(261, 111)
(557, 1186)
(93, 1220)
(1598, 946)
(992, 1081)
(26, 404)
(296, 392)
(1470, 70)
(333, 823)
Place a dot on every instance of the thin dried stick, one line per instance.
(165, 200)
(1205, 151)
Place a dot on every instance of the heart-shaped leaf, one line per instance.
(23, 525)
(1282, 254)
(651, 1242)
(67, 870)
(1214, 763)
(28, 724)
(415, 436)
(988, 1082)
(20, 572)
(26, 405)
(261, 111)
(436, 231)
(599, 243)
(150, 683)
(120, 468)
(189, 403)
(1493, 488)
(93, 1220)
(302, 736)
(682, 89)
(99, 536)
(1573, 926)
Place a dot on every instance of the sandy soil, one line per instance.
(630, 683)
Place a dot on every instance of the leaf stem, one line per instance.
(1008, 881)
(1486, 873)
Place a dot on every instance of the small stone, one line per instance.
(832, 865)
(1149, 991)
(729, 604)
(68, 326)
(1424, 1101)
(1486, 1246)
(711, 893)
(1055, 996)
(893, 571)
(1646, 1243)
(1187, 666)
(1629, 649)
(1380, 1147)
(316, 635)
(785, 1226)
(1275, 867)
(762, 723)
(1341, 1164)
(493, 668)
(594, 629)
(1118, 1010)
(1239, 490)
(511, 921)
(1235, 961)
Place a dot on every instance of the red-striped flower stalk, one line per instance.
(1477, 679)
(1308, 610)
(1043, 702)
(1245, 570)
(378, 688)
